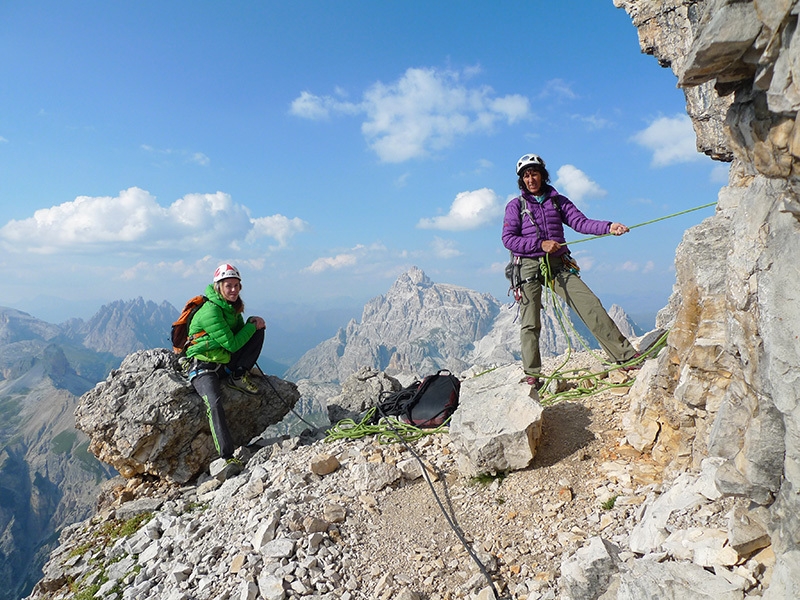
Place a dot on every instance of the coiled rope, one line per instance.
(388, 430)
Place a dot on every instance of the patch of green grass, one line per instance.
(114, 530)
(196, 506)
(487, 479)
(87, 593)
(80, 550)
(609, 504)
(64, 442)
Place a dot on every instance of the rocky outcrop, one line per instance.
(146, 418)
(726, 386)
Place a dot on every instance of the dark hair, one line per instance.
(545, 177)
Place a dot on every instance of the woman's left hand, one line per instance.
(618, 229)
(258, 322)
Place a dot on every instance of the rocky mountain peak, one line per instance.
(121, 327)
(414, 277)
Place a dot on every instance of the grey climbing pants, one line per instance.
(580, 299)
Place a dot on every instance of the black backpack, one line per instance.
(426, 404)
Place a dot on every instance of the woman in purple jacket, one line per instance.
(533, 230)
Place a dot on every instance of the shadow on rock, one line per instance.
(565, 430)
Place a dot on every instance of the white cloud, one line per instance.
(671, 139)
(277, 227)
(559, 88)
(445, 248)
(190, 157)
(316, 108)
(630, 266)
(134, 223)
(331, 262)
(424, 111)
(593, 122)
(469, 210)
(3, 140)
(576, 185)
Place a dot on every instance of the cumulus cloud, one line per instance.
(278, 227)
(424, 111)
(133, 222)
(576, 185)
(469, 210)
(671, 139)
(317, 108)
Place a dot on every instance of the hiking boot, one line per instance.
(243, 384)
(534, 382)
(625, 366)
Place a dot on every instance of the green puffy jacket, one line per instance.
(226, 331)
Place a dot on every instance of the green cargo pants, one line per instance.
(580, 299)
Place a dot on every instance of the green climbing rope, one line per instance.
(388, 429)
(677, 214)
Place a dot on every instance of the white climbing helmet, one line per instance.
(225, 271)
(528, 160)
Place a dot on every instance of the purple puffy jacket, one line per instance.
(523, 238)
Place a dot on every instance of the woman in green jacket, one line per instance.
(224, 346)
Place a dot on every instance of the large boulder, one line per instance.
(146, 418)
(498, 425)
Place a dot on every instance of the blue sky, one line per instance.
(326, 147)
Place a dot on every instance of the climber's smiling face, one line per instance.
(230, 288)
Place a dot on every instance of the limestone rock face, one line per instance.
(146, 418)
(726, 387)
